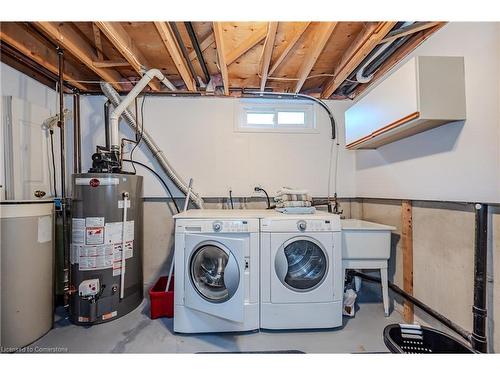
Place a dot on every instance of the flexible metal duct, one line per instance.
(115, 99)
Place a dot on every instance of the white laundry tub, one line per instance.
(365, 240)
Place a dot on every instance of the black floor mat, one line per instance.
(258, 352)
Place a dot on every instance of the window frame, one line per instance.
(245, 106)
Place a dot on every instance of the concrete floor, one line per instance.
(137, 333)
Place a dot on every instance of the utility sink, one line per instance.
(365, 240)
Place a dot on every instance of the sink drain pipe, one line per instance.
(479, 312)
(447, 322)
(115, 100)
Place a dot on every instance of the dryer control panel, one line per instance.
(327, 224)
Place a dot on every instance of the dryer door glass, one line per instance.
(214, 273)
(307, 265)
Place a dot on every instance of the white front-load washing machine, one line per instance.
(216, 285)
(301, 271)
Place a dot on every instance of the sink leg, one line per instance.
(385, 290)
(357, 283)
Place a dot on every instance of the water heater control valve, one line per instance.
(89, 288)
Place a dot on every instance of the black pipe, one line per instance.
(479, 311)
(184, 51)
(76, 132)
(199, 53)
(79, 134)
(284, 95)
(64, 205)
(447, 322)
(106, 125)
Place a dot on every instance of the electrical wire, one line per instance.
(159, 177)
(138, 140)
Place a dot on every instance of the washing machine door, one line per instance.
(301, 264)
(214, 275)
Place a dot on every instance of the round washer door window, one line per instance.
(301, 265)
(214, 273)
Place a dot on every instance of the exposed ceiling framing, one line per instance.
(314, 58)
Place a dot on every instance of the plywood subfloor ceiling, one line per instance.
(312, 58)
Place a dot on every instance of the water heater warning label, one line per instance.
(97, 245)
(94, 235)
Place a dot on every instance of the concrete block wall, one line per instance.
(443, 258)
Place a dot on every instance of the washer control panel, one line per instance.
(230, 226)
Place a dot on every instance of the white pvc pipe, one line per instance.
(134, 93)
(124, 224)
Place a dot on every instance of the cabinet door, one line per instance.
(393, 99)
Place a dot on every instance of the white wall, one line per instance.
(197, 137)
(458, 161)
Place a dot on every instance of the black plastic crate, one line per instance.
(414, 339)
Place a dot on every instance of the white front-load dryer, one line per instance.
(216, 274)
(301, 272)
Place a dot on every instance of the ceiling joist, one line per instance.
(355, 54)
(124, 44)
(28, 45)
(173, 48)
(110, 63)
(317, 44)
(79, 48)
(267, 53)
(219, 42)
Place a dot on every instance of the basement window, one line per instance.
(279, 116)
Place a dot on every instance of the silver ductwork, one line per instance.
(129, 117)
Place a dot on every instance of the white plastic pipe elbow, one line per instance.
(134, 93)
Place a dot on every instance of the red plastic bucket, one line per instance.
(162, 302)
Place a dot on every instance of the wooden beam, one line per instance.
(19, 38)
(110, 63)
(294, 39)
(173, 48)
(407, 243)
(97, 41)
(355, 54)
(219, 42)
(317, 45)
(400, 54)
(79, 48)
(412, 29)
(267, 53)
(205, 43)
(255, 37)
(120, 39)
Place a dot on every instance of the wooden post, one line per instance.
(407, 241)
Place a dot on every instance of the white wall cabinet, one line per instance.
(425, 92)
